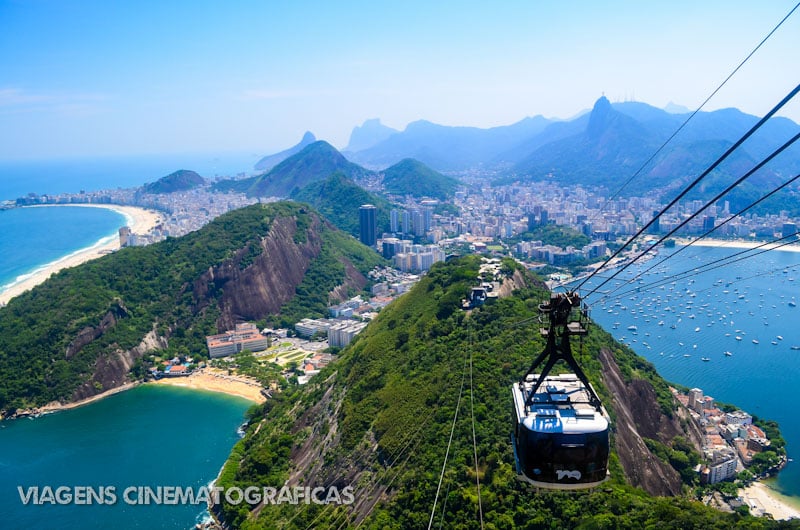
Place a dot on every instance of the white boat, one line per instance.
(632, 328)
(755, 341)
(705, 359)
(727, 353)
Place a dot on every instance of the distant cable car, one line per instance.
(560, 433)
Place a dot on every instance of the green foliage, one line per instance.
(138, 288)
(393, 398)
(180, 180)
(557, 235)
(412, 177)
(338, 199)
(315, 162)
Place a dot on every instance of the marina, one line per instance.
(729, 331)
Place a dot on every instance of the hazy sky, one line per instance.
(86, 78)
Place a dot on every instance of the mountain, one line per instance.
(674, 108)
(86, 328)
(316, 161)
(270, 161)
(447, 148)
(338, 199)
(380, 420)
(181, 180)
(412, 177)
(616, 140)
(370, 133)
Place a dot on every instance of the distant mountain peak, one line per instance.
(270, 161)
(600, 117)
(371, 132)
(674, 108)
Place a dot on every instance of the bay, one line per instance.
(682, 320)
(149, 436)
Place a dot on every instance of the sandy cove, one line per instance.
(218, 381)
(140, 221)
(762, 499)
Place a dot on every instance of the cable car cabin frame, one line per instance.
(561, 429)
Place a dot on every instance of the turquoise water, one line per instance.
(749, 299)
(149, 436)
(30, 238)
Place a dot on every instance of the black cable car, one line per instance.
(560, 434)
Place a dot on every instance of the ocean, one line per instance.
(729, 331)
(142, 438)
(71, 175)
(30, 238)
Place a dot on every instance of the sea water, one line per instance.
(685, 325)
(149, 436)
(71, 175)
(31, 238)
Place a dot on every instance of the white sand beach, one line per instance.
(213, 380)
(140, 221)
(736, 243)
(761, 499)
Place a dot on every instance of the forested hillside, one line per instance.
(83, 330)
(380, 419)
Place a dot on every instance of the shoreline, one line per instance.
(210, 381)
(762, 499)
(737, 243)
(140, 220)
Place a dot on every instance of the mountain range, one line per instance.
(603, 147)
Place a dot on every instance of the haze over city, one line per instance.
(91, 78)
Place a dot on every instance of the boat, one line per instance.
(779, 337)
(696, 329)
(727, 353)
(705, 359)
(755, 341)
(794, 348)
(632, 328)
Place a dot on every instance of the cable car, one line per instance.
(561, 429)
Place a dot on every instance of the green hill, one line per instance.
(316, 161)
(379, 421)
(338, 199)
(83, 330)
(412, 177)
(181, 180)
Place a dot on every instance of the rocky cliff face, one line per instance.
(639, 416)
(245, 288)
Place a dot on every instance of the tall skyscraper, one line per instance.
(394, 221)
(367, 218)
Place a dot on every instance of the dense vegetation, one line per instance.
(412, 177)
(181, 180)
(143, 287)
(558, 235)
(389, 404)
(338, 199)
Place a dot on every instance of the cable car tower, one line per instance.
(560, 433)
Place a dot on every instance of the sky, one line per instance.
(85, 78)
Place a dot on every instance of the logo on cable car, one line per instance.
(561, 473)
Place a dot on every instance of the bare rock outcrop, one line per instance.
(639, 416)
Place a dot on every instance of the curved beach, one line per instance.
(140, 220)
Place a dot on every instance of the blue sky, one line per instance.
(97, 78)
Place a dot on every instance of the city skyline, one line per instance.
(90, 78)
